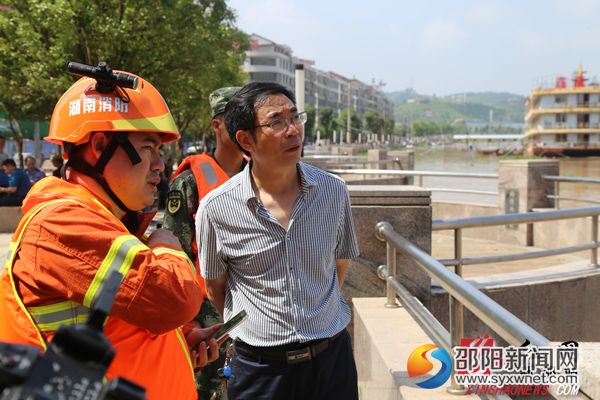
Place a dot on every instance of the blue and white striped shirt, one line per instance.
(285, 280)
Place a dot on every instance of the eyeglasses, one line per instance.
(279, 125)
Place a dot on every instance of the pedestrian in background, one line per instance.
(57, 162)
(3, 156)
(18, 184)
(34, 173)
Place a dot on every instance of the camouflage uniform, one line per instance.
(182, 203)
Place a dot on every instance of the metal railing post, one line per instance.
(556, 200)
(391, 270)
(456, 315)
(594, 251)
(421, 180)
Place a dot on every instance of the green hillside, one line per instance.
(411, 106)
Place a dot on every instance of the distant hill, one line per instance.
(411, 106)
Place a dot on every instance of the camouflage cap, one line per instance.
(219, 98)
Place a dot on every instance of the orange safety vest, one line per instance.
(208, 175)
(160, 363)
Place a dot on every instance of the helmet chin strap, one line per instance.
(96, 172)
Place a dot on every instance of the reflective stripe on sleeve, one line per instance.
(162, 250)
(14, 248)
(120, 258)
(210, 175)
(185, 349)
(9, 255)
(49, 318)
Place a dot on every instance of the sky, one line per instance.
(437, 47)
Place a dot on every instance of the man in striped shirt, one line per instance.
(275, 241)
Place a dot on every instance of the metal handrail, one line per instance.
(579, 199)
(324, 156)
(421, 314)
(567, 179)
(466, 191)
(570, 179)
(509, 219)
(359, 162)
(502, 321)
(521, 256)
(413, 173)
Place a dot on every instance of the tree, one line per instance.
(309, 127)
(327, 122)
(185, 48)
(401, 130)
(373, 122)
(389, 126)
(355, 123)
(424, 128)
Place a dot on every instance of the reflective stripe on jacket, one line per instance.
(37, 295)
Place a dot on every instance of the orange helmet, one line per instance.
(108, 101)
(83, 110)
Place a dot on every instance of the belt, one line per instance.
(291, 353)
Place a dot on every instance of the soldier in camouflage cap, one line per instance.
(219, 98)
(195, 177)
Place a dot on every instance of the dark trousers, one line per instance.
(331, 375)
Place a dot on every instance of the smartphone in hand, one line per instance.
(224, 330)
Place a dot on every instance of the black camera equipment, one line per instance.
(106, 79)
(74, 364)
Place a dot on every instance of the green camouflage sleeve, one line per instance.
(182, 203)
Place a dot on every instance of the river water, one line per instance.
(450, 160)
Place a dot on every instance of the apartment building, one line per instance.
(267, 61)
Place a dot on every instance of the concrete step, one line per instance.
(383, 340)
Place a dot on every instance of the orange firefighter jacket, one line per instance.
(66, 244)
(208, 175)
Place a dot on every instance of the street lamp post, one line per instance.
(317, 116)
(348, 119)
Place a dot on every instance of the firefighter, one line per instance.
(77, 230)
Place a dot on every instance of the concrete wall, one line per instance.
(10, 219)
(408, 209)
(445, 210)
(566, 232)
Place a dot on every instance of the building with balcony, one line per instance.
(267, 61)
(563, 119)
